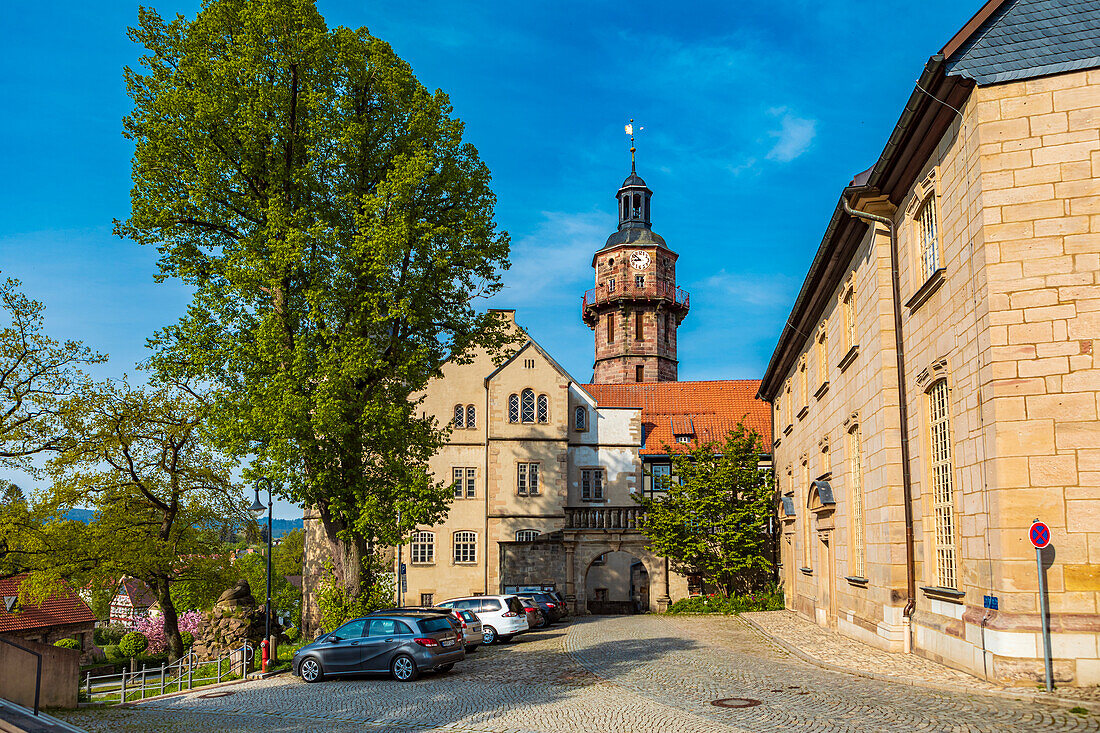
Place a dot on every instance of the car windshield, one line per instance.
(429, 625)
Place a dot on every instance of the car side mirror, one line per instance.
(332, 639)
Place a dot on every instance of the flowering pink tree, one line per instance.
(153, 628)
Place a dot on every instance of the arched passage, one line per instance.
(618, 578)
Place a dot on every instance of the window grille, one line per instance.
(927, 237)
(471, 416)
(465, 547)
(513, 408)
(580, 419)
(527, 403)
(662, 476)
(527, 479)
(422, 547)
(426, 599)
(807, 531)
(855, 469)
(611, 285)
(526, 535)
(544, 408)
(943, 499)
(460, 415)
(639, 281)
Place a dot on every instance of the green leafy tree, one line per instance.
(37, 374)
(711, 521)
(337, 233)
(289, 553)
(141, 460)
(133, 644)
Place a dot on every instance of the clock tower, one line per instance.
(635, 307)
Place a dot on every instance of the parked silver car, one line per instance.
(402, 644)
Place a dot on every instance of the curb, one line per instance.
(180, 693)
(1091, 705)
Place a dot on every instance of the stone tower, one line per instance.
(635, 307)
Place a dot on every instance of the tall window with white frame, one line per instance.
(850, 319)
(471, 416)
(460, 416)
(807, 531)
(465, 547)
(527, 406)
(855, 485)
(927, 236)
(513, 408)
(943, 495)
(527, 479)
(422, 547)
(543, 408)
(464, 481)
(526, 535)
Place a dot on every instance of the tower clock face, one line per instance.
(639, 260)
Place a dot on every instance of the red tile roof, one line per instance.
(705, 410)
(61, 609)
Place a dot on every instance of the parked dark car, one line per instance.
(403, 644)
(551, 607)
(467, 621)
(536, 619)
(561, 601)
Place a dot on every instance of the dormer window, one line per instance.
(684, 438)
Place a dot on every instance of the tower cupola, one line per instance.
(634, 202)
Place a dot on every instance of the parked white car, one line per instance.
(502, 617)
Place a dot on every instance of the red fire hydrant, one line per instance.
(263, 655)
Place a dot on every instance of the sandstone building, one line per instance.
(936, 387)
(545, 468)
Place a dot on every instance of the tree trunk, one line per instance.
(171, 619)
(347, 557)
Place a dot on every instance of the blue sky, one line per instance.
(755, 116)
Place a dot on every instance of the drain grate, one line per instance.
(735, 702)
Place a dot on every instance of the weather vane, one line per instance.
(630, 131)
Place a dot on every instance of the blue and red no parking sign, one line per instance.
(1039, 534)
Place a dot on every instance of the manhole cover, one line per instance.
(222, 693)
(735, 702)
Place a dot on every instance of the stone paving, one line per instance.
(830, 648)
(606, 675)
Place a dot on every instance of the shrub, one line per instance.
(769, 599)
(292, 634)
(109, 634)
(113, 654)
(133, 644)
(67, 644)
(188, 639)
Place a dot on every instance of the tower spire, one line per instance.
(630, 131)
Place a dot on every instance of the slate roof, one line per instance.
(61, 609)
(1023, 39)
(706, 410)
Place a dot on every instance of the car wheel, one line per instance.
(310, 670)
(445, 667)
(403, 668)
(506, 639)
(471, 648)
(490, 635)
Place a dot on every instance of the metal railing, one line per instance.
(604, 517)
(658, 289)
(37, 669)
(183, 674)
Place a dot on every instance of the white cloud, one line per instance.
(755, 291)
(794, 136)
(550, 265)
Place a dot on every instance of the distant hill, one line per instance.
(279, 527)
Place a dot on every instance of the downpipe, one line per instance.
(903, 417)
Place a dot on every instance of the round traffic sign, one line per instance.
(1039, 534)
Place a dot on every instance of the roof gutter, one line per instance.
(903, 412)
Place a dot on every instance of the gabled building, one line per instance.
(133, 601)
(936, 388)
(61, 616)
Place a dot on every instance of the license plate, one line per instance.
(448, 642)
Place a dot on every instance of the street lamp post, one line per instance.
(258, 510)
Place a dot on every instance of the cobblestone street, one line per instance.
(606, 675)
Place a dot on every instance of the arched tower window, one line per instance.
(471, 416)
(460, 415)
(580, 418)
(544, 408)
(527, 406)
(513, 408)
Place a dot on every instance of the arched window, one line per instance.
(513, 408)
(422, 547)
(471, 416)
(527, 401)
(465, 547)
(544, 408)
(526, 535)
(580, 419)
(460, 414)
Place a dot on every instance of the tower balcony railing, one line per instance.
(629, 291)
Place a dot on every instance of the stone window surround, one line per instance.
(467, 545)
(580, 426)
(925, 193)
(592, 499)
(466, 483)
(930, 379)
(422, 539)
(523, 470)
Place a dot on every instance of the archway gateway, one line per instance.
(615, 583)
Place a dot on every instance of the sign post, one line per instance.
(1040, 537)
